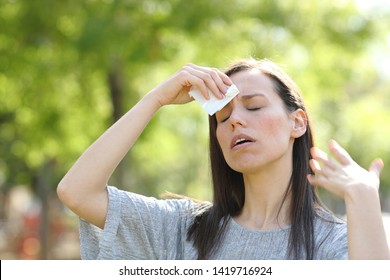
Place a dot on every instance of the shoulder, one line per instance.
(328, 223)
(140, 227)
(331, 236)
(164, 207)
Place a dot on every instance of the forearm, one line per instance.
(366, 234)
(93, 169)
(83, 189)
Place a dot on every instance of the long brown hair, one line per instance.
(209, 225)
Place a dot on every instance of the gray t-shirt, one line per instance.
(139, 227)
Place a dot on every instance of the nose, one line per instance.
(237, 118)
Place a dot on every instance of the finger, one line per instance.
(226, 79)
(319, 181)
(376, 167)
(222, 80)
(316, 167)
(339, 153)
(213, 78)
(220, 88)
(316, 180)
(323, 158)
(189, 80)
(209, 81)
(222, 76)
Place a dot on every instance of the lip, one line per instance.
(241, 136)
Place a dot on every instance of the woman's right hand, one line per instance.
(175, 89)
(90, 174)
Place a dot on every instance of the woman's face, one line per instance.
(255, 131)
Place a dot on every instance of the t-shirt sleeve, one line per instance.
(332, 239)
(137, 227)
(338, 247)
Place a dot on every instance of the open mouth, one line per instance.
(241, 141)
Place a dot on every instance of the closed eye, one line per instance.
(254, 109)
(224, 119)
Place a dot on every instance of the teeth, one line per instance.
(240, 140)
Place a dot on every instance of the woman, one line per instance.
(264, 167)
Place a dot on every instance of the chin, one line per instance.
(244, 168)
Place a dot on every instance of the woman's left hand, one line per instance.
(342, 175)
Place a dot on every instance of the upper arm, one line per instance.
(91, 207)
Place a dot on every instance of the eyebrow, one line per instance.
(249, 96)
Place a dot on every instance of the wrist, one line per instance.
(152, 99)
(360, 194)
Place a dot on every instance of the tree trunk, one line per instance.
(43, 191)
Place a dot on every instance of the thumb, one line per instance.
(376, 167)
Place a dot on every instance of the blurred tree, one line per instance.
(71, 68)
(68, 69)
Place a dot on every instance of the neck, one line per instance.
(266, 203)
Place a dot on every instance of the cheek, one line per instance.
(219, 135)
(274, 124)
(271, 123)
(222, 138)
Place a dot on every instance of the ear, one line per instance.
(299, 122)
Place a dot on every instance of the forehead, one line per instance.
(251, 80)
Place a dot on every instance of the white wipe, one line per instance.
(214, 104)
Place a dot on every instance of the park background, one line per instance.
(70, 68)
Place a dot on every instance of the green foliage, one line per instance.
(56, 58)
